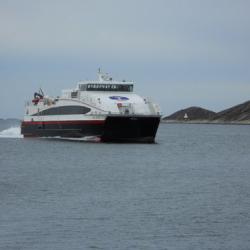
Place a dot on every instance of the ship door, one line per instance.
(124, 108)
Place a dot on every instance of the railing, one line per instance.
(27, 103)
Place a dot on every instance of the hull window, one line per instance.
(64, 110)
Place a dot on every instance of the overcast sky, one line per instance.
(181, 53)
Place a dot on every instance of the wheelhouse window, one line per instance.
(83, 87)
(108, 87)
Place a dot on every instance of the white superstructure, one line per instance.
(102, 97)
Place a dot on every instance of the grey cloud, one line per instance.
(172, 42)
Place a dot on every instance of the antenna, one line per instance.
(41, 91)
(100, 76)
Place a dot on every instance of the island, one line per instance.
(239, 114)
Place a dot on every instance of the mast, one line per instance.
(100, 75)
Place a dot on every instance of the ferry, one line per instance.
(104, 109)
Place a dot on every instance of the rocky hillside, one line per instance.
(236, 114)
(239, 112)
(192, 113)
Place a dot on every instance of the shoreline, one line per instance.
(206, 122)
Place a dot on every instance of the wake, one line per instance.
(15, 132)
(12, 132)
(81, 139)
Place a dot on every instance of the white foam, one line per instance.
(12, 132)
(85, 138)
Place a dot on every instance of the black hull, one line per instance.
(112, 129)
(130, 128)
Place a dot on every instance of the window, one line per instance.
(110, 87)
(64, 110)
(82, 87)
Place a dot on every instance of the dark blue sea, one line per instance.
(190, 190)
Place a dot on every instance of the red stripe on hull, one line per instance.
(88, 122)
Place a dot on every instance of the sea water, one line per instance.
(190, 190)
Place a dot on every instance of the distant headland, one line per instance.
(7, 123)
(239, 114)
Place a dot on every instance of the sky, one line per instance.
(181, 53)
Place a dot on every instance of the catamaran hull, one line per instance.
(113, 129)
(130, 128)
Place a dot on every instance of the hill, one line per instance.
(192, 113)
(239, 112)
(236, 114)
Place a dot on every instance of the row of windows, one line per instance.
(64, 110)
(107, 87)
